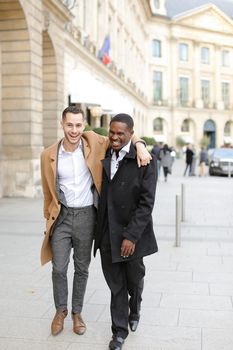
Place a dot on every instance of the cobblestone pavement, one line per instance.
(187, 302)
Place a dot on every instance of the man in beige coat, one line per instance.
(71, 173)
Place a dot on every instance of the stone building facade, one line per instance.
(191, 64)
(173, 74)
(48, 59)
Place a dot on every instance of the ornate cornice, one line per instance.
(59, 9)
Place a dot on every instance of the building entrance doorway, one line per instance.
(210, 132)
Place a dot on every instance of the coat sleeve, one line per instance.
(92, 136)
(136, 139)
(93, 139)
(45, 187)
(142, 214)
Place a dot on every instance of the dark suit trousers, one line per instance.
(124, 279)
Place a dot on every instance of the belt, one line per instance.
(80, 208)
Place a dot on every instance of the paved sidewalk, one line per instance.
(188, 291)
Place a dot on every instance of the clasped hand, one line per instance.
(127, 248)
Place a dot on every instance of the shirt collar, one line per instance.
(124, 149)
(62, 149)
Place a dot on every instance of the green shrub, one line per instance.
(205, 141)
(150, 141)
(101, 131)
(180, 141)
(87, 127)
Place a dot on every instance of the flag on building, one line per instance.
(103, 53)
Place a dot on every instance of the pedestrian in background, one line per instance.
(166, 160)
(188, 159)
(124, 231)
(194, 161)
(156, 152)
(173, 155)
(71, 174)
(202, 161)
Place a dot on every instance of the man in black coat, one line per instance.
(189, 159)
(124, 231)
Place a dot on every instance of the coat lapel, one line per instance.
(53, 163)
(106, 162)
(53, 159)
(132, 152)
(86, 148)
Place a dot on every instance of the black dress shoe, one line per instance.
(116, 343)
(133, 325)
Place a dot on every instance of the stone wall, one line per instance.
(31, 88)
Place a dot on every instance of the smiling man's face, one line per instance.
(119, 135)
(73, 126)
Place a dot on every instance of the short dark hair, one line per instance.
(123, 118)
(74, 110)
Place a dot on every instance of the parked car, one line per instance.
(221, 161)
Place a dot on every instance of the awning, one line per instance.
(187, 138)
(89, 89)
(228, 140)
(159, 138)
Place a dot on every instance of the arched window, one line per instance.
(209, 126)
(227, 129)
(158, 125)
(185, 127)
(156, 4)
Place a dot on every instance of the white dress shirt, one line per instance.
(74, 177)
(115, 161)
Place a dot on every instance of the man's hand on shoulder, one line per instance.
(143, 156)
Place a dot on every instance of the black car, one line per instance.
(221, 161)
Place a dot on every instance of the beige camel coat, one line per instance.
(94, 147)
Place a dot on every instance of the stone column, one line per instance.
(115, 39)
(93, 8)
(217, 84)
(196, 75)
(96, 113)
(21, 99)
(22, 92)
(173, 73)
(0, 121)
(106, 121)
(59, 101)
(105, 17)
(174, 88)
(219, 132)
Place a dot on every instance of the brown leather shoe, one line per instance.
(58, 322)
(79, 326)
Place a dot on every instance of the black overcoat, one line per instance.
(128, 201)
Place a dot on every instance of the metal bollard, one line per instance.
(182, 202)
(178, 221)
(229, 169)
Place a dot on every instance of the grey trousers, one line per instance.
(73, 229)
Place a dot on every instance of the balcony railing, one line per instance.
(162, 103)
(69, 3)
(227, 106)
